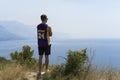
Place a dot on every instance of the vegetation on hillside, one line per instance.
(77, 67)
(24, 57)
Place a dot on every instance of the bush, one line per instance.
(24, 57)
(58, 71)
(3, 60)
(75, 62)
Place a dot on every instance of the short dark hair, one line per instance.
(43, 17)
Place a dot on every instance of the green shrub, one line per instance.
(58, 71)
(24, 57)
(3, 60)
(75, 60)
(3, 63)
(71, 70)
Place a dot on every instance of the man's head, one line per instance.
(44, 18)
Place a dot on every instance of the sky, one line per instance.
(72, 18)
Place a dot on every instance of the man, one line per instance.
(44, 32)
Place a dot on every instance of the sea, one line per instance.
(102, 52)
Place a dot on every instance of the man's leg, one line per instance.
(40, 63)
(47, 53)
(46, 61)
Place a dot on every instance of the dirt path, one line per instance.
(32, 76)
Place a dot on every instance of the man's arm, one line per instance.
(50, 31)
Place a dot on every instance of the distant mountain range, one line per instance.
(13, 30)
(6, 35)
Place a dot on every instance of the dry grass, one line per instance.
(12, 72)
(104, 74)
(17, 72)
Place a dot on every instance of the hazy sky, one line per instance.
(76, 18)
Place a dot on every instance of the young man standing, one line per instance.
(44, 32)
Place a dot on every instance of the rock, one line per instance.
(32, 76)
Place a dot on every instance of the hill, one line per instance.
(6, 35)
(20, 29)
(29, 31)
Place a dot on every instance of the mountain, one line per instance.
(20, 29)
(28, 31)
(6, 35)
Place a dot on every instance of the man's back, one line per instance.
(42, 35)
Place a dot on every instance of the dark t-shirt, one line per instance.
(42, 35)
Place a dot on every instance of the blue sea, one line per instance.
(105, 52)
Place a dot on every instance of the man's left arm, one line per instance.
(49, 31)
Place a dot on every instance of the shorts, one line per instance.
(44, 50)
